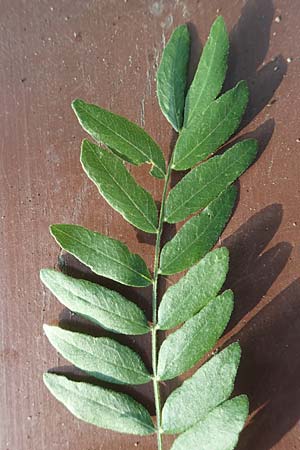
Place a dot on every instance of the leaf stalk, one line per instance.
(156, 387)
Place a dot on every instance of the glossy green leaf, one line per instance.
(211, 129)
(183, 348)
(99, 406)
(172, 76)
(193, 291)
(127, 139)
(104, 307)
(102, 357)
(210, 386)
(210, 74)
(105, 256)
(118, 187)
(197, 236)
(219, 430)
(205, 182)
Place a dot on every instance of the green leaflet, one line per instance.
(197, 236)
(212, 128)
(172, 76)
(219, 430)
(102, 407)
(210, 73)
(105, 256)
(118, 187)
(127, 139)
(102, 357)
(183, 348)
(105, 307)
(193, 291)
(210, 386)
(205, 182)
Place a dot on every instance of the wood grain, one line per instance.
(107, 53)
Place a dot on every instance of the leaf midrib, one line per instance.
(103, 254)
(124, 139)
(205, 139)
(126, 194)
(107, 406)
(177, 309)
(104, 344)
(189, 342)
(203, 86)
(102, 308)
(229, 166)
(192, 243)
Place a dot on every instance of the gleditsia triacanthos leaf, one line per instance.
(172, 76)
(211, 129)
(100, 406)
(104, 307)
(101, 357)
(193, 291)
(210, 386)
(206, 181)
(105, 256)
(127, 139)
(210, 74)
(118, 187)
(197, 236)
(219, 430)
(183, 348)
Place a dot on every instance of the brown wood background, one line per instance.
(107, 52)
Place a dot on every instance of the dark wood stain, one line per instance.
(107, 53)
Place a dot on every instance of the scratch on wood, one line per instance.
(79, 198)
(142, 119)
(148, 79)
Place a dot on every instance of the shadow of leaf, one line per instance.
(249, 45)
(270, 368)
(253, 271)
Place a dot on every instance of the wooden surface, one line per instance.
(107, 52)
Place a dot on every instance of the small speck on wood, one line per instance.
(77, 36)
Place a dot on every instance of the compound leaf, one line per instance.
(128, 140)
(210, 386)
(102, 357)
(118, 187)
(199, 409)
(210, 73)
(183, 348)
(105, 256)
(172, 76)
(205, 182)
(211, 128)
(104, 307)
(99, 406)
(219, 430)
(201, 283)
(198, 235)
